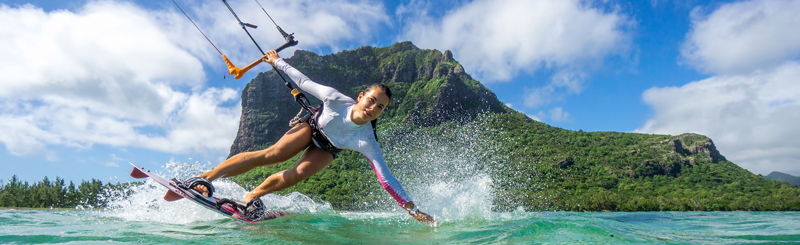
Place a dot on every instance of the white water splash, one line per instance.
(447, 169)
(146, 203)
(463, 200)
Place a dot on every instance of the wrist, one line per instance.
(413, 210)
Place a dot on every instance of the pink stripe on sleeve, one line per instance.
(385, 185)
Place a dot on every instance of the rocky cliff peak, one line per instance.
(429, 87)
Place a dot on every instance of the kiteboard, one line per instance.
(175, 192)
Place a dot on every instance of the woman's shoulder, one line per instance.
(338, 107)
(339, 100)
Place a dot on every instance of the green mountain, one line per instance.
(783, 177)
(445, 132)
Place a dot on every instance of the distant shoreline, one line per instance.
(347, 211)
(53, 209)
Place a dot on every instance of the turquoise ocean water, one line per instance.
(462, 206)
(103, 227)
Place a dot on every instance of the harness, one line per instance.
(318, 136)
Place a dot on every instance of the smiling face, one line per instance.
(370, 105)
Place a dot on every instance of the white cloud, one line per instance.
(559, 115)
(108, 74)
(498, 40)
(107, 52)
(556, 115)
(654, 3)
(751, 105)
(115, 158)
(744, 36)
(116, 74)
(318, 25)
(752, 118)
(534, 117)
(113, 162)
(541, 96)
(561, 84)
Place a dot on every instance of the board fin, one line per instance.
(177, 192)
(172, 196)
(136, 173)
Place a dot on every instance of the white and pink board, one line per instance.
(176, 192)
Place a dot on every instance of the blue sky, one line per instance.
(89, 86)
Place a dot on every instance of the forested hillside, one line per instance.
(783, 177)
(443, 125)
(55, 194)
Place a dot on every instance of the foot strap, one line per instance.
(254, 209)
(193, 182)
(234, 204)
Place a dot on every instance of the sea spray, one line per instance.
(466, 200)
(144, 202)
(448, 169)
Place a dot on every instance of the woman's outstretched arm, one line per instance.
(322, 92)
(392, 185)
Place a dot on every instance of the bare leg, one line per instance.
(291, 143)
(294, 141)
(312, 161)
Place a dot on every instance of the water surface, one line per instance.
(462, 207)
(103, 227)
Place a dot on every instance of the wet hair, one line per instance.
(388, 93)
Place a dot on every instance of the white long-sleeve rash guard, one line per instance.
(344, 133)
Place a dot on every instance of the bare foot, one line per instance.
(201, 189)
(249, 196)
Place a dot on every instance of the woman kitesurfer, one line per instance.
(341, 123)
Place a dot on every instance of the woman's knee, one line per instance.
(293, 176)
